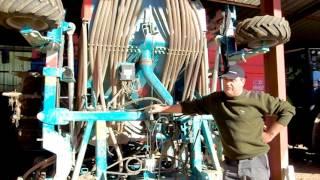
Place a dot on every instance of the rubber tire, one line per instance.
(263, 31)
(40, 15)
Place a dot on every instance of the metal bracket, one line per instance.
(244, 54)
(52, 41)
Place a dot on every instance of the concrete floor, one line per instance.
(306, 164)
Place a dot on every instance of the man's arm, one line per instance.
(281, 112)
(157, 108)
(272, 132)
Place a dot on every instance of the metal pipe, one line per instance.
(205, 129)
(155, 82)
(52, 141)
(70, 50)
(216, 65)
(196, 154)
(83, 148)
(83, 66)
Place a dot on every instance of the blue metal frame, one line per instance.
(52, 116)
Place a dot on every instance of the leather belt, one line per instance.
(234, 162)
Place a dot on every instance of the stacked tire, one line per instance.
(263, 31)
(40, 15)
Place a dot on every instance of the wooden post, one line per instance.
(276, 86)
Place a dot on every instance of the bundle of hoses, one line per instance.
(113, 26)
(186, 49)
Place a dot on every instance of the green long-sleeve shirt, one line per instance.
(240, 119)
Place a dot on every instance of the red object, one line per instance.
(87, 10)
(254, 69)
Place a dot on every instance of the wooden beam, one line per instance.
(313, 18)
(275, 85)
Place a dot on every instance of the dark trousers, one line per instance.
(256, 168)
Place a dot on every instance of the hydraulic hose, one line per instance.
(198, 56)
(176, 42)
(167, 64)
(114, 21)
(178, 49)
(98, 44)
(83, 66)
(130, 7)
(189, 41)
(107, 39)
(183, 43)
(131, 27)
(189, 70)
(41, 165)
(93, 37)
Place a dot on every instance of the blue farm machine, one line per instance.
(133, 53)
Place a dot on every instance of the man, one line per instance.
(239, 114)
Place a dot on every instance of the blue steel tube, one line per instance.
(210, 144)
(82, 151)
(52, 141)
(196, 154)
(146, 67)
(62, 116)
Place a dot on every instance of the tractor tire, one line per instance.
(263, 31)
(40, 15)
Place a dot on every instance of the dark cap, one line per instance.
(233, 72)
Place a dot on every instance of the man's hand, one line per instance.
(267, 137)
(270, 132)
(158, 108)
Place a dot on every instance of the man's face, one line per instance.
(233, 87)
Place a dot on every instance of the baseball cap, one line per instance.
(233, 72)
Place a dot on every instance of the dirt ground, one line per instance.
(306, 164)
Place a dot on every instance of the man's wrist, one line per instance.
(271, 134)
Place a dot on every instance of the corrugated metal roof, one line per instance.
(304, 19)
